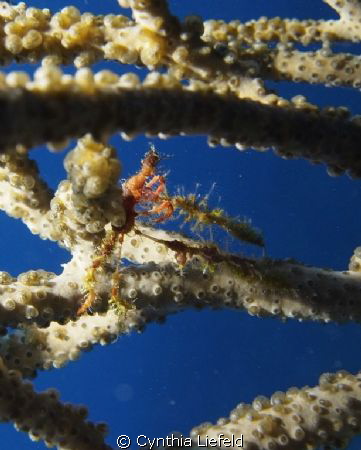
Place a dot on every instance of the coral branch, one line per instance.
(296, 419)
(123, 272)
(62, 111)
(44, 417)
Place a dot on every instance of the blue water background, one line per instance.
(199, 365)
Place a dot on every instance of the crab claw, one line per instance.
(165, 209)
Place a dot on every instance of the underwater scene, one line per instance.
(181, 370)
